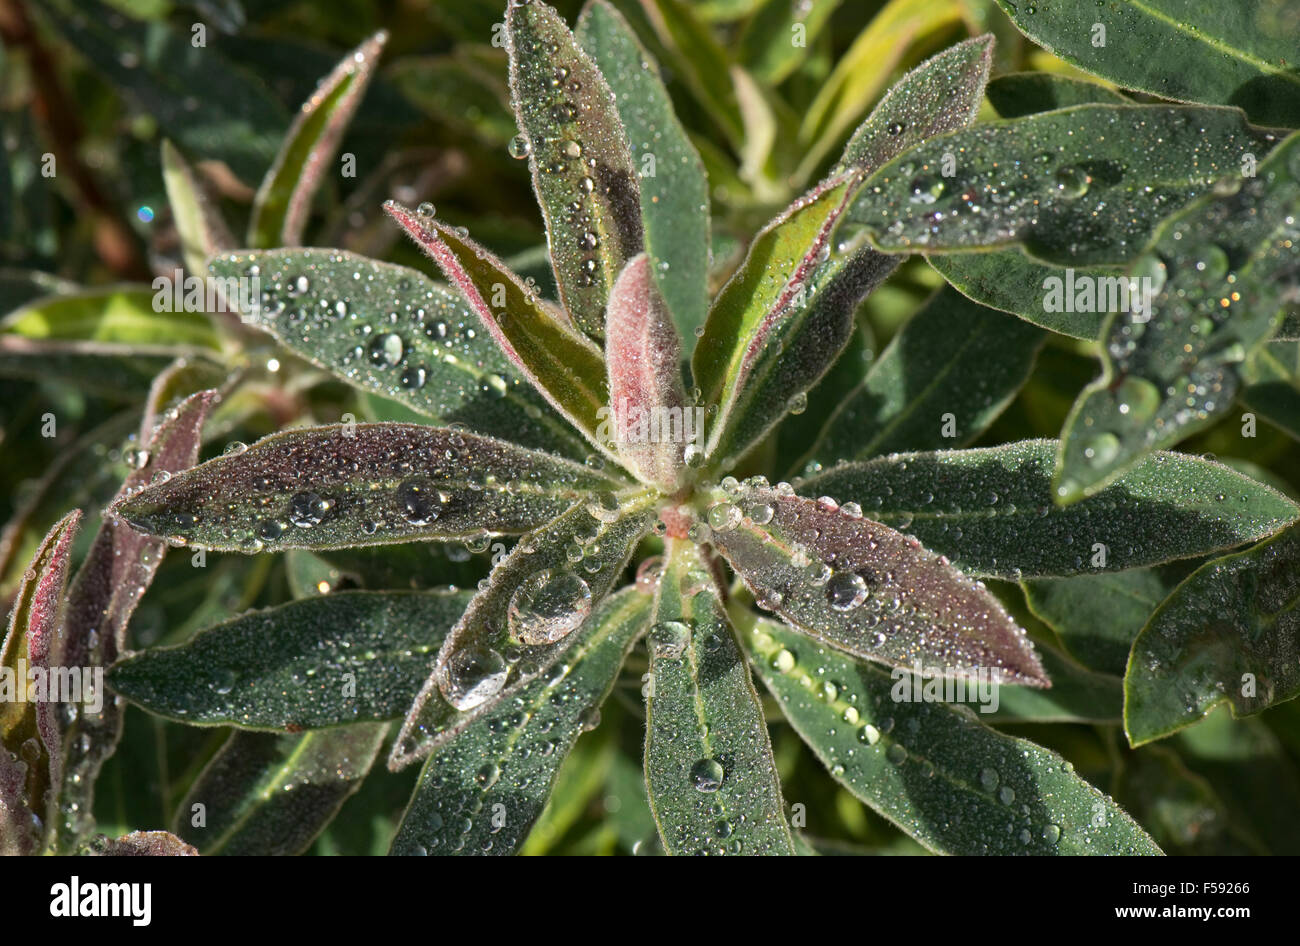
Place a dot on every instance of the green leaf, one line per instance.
(645, 380)
(1027, 93)
(394, 331)
(124, 314)
(352, 656)
(283, 202)
(860, 586)
(675, 194)
(797, 341)
(30, 730)
(1014, 282)
(1097, 617)
(498, 773)
(1190, 50)
(1010, 280)
(522, 620)
(265, 795)
(461, 90)
(776, 39)
(199, 224)
(361, 484)
(561, 362)
(990, 509)
(1085, 185)
(1217, 278)
(1226, 635)
(1278, 402)
(955, 360)
(708, 764)
(111, 371)
(578, 153)
(934, 770)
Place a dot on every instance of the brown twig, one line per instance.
(114, 241)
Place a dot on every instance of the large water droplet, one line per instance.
(846, 591)
(473, 677)
(707, 775)
(547, 606)
(419, 502)
(668, 639)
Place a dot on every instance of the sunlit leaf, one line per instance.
(645, 379)
(1216, 280)
(264, 794)
(862, 587)
(954, 361)
(1228, 634)
(674, 188)
(199, 224)
(1190, 50)
(934, 770)
(709, 771)
(522, 621)
(121, 314)
(498, 773)
(396, 332)
(864, 70)
(990, 510)
(283, 202)
(361, 484)
(541, 344)
(578, 153)
(776, 39)
(1084, 185)
(352, 656)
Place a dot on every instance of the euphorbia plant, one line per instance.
(621, 438)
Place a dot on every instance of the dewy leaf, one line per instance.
(1190, 50)
(954, 360)
(578, 152)
(394, 331)
(265, 795)
(1228, 634)
(1084, 185)
(497, 775)
(645, 380)
(283, 202)
(562, 363)
(129, 314)
(794, 346)
(990, 509)
(113, 577)
(351, 656)
(709, 771)
(674, 187)
(864, 588)
(1011, 280)
(30, 732)
(950, 782)
(780, 260)
(1097, 617)
(1214, 285)
(522, 621)
(199, 224)
(361, 484)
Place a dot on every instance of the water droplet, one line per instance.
(519, 147)
(307, 509)
(668, 639)
(547, 606)
(427, 209)
(419, 502)
(846, 591)
(473, 677)
(723, 517)
(1100, 450)
(925, 189)
(386, 349)
(1138, 398)
(1072, 181)
(1210, 261)
(707, 775)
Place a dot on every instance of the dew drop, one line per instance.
(548, 606)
